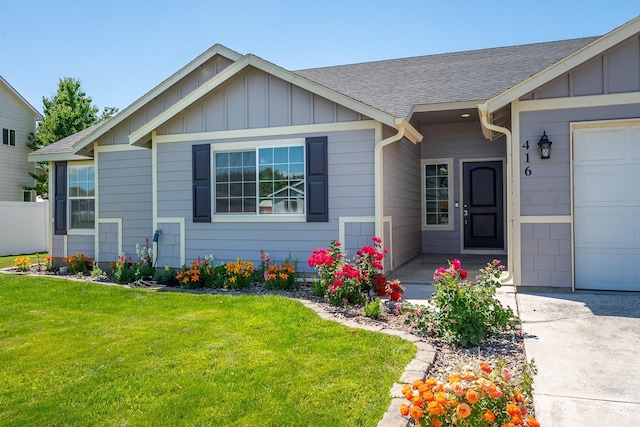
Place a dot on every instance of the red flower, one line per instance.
(463, 274)
(456, 264)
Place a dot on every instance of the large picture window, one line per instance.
(81, 194)
(437, 191)
(262, 181)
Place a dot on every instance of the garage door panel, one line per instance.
(606, 215)
(608, 269)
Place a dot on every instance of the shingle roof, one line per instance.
(395, 86)
(65, 145)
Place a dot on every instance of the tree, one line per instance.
(69, 111)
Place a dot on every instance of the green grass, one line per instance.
(7, 261)
(77, 353)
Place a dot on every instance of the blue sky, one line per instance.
(120, 49)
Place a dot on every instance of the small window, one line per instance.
(81, 193)
(28, 196)
(5, 136)
(437, 191)
(12, 137)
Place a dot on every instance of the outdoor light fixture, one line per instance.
(544, 146)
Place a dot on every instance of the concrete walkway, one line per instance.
(586, 346)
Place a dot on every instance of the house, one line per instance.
(17, 120)
(434, 154)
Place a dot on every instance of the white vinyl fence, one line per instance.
(24, 227)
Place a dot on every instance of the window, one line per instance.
(437, 190)
(5, 136)
(263, 181)
(81, 197)
(12, 137)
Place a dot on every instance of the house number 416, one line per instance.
(527, 170)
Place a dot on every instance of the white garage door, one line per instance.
(607, 208)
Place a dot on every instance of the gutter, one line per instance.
(483, 110)
(405, 129)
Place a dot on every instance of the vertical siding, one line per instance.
(14, 167)
(124, 180)
(457, 141)
(615, 71)
(195, 79)
(254, 99)
(401, 189)
(350, 194)
(547, 191)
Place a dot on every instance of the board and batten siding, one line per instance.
(401, 189)
(457, 141)
(350, 158)
(125, 192)
(14, 167)
(120, 133)
(254, 99)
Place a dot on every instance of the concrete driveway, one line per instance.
(586, 347)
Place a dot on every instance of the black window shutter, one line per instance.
(60, 198)
(317, 179)
(201, 183)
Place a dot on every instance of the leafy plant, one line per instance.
(96, 271)
(239, 274)
(22, 263)
(373, 308)
(144, 266)
(280, 277)
(122, 270)
(78, 263)
(480, 397)
(465, 313)
(166, 276)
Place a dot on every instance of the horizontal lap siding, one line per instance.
(350, 161)
(81, 244)
(14, 166)
(457, 141)
(125, 192)
(401, 181)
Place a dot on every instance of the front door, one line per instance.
(483, 212)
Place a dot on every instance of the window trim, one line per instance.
(423, 198)
(228, 147)
(70, 229)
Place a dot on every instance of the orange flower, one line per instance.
(489, 416)
(505, 375)
(417, 400)
(436, 423)
(416, 412)
(519, 397)
(434, 408)
(427, 396)
(495, 393)
(404, 409)
(472, 396)
(417, 384)
(454, 378)
(509, 424)
(468, 376)
(441, 398)
(431, 382)
(532, 422)
(517, 420)
(458, 389)
(512, 409)
(463, 410)
(485, 367)
(406, 389)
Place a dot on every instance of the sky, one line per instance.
(121, 49)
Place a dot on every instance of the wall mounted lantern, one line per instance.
(544, 146)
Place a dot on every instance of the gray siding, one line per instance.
(57, 247)
(350, 194)
(401, 182)
(457, 141)
(169, 244)
(615, 71)
(120, 133)
(357, 235)
(254, 99)
(546, 255)
(81, 245)
(124, 181)
(547, 191)
(108, 242)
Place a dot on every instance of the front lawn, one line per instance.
(8, 261)
(77, 353)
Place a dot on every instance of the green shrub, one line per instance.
(78, 263)
(122, 271)
(373, 309)
(465, 313)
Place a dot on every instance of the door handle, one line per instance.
(465, 213)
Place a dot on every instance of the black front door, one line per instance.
(483, 216)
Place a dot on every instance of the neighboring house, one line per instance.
(434, 154)
(17, 120)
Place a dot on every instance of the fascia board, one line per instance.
(55, 157)
(575, 59)
(445, 106)
(167, 83)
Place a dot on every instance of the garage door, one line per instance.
(607, 208)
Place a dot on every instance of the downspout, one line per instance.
(378, 188)
(483, 109)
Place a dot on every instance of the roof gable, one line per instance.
(36, 115)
